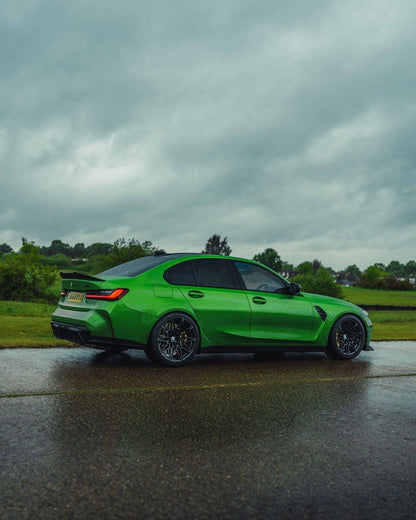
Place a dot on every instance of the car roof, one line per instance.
(146, 263)
(172, 256)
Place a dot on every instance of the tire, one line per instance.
(347, 337)
(175, 340)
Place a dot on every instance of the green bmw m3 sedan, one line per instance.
(174, 306)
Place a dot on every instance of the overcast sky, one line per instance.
(277, 124)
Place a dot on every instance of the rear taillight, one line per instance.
(63, 294)
(106, 294)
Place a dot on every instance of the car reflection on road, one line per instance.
(218, 401)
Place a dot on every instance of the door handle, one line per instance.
(259, 300)
(196, 294)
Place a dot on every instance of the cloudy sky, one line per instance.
(277, 124)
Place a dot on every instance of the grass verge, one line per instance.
(361, 296)
(28, 324)
(393, 325)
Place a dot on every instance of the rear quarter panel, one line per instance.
(150, 298)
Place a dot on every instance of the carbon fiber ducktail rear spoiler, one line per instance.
(80, 276)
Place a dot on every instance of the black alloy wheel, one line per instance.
(175, 340)
(347, 337)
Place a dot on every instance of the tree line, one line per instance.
(28, 273)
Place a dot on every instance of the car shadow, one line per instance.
(289, 360)
(123, 359)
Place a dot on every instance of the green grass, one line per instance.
(361, 296)
(27, 325)
(55, 289)
(27, 309)
(393, 325)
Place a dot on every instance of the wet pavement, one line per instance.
(85, 435)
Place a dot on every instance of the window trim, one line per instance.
(231, 268)
(225, 262)
(165, 275)
(285, 283)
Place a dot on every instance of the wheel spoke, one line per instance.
(349, 336)
(165, 328)
(176, 338)
(180, 324)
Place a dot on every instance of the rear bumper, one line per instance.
(82, 336)
(77, 335)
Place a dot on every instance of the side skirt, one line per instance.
(266, 348)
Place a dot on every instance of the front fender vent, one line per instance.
(321, 312)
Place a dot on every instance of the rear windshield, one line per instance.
(138, 266)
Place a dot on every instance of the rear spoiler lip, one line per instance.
(80, 276)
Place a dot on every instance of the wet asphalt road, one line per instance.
(84, 435)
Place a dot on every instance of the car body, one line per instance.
(174, 306)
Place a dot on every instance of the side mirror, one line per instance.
(294, 288)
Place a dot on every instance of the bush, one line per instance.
(372, 277)
(60, 261)
(376, 278)
(391, 283)
(23, 277)
(321, 283)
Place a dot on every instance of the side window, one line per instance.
(258, 279)
(180, 274)
(213, 273)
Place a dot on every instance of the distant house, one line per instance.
(348, 279)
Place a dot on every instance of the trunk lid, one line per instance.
(80, 282)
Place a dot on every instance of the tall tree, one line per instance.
(316, 264)
(5, 248)
(98, 248)
(411, 268)
(286, 266)
(353, 269)
(78, 250)
(57, 247)
(269, 257)
(216, 246)
(305, 268)
(396, 268)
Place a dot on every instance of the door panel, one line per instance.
(280, 317)
(222, 314)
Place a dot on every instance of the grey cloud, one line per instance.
(277, 124)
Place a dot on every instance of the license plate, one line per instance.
(75, 297)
